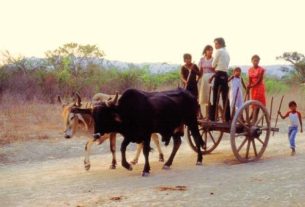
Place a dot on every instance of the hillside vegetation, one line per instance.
(75, 68)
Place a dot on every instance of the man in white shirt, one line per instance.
(221, 64)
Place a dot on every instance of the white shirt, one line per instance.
(221, 60)
(294, 118)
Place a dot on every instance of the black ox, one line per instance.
(138, 114)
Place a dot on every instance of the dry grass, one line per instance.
(294, 94)
(24, 121)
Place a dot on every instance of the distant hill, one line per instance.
(33, 62)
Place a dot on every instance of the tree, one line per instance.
(18, 61)
(298, 62)
(78, 55)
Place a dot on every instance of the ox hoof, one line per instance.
(112, 167)
(145, 174)
(199, 164)
(128, 167)
(166, 167)
(87, 166)
(134, 162)
(161, 158)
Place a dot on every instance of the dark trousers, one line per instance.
(221, 85)
(192, 87)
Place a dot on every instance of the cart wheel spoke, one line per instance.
(242, 123)
(248, 149)
(261, 119)
(242, 144)
(212, 137)
(205, 138)
(254, 147)
(260, 141)
(248, 116)
(203, 132)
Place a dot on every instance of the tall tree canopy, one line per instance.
(73, 54)
(298, 62)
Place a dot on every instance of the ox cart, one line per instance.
(249, 132)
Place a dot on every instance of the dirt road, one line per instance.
(51, 173)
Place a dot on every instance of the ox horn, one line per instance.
(114, 100)
(79, 100)
(60, 101)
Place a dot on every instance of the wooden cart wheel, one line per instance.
(212, 138)
(250, 131)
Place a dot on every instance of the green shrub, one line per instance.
(274, 85)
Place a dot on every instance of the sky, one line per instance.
(155, 30)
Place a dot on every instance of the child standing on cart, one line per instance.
(237, 85)
(295, 120)
(189, 75)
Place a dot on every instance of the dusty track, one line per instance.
(51, 173)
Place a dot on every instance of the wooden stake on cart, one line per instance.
(277, 117)
(234, 104)
(271, 106)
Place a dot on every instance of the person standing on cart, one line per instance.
(221, 63)
(256, 84)
(206, 71)
(189, 75)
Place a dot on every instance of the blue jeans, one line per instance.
(292, 132)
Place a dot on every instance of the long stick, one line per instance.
(234, 104)
(277, 117)
(188, 78)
